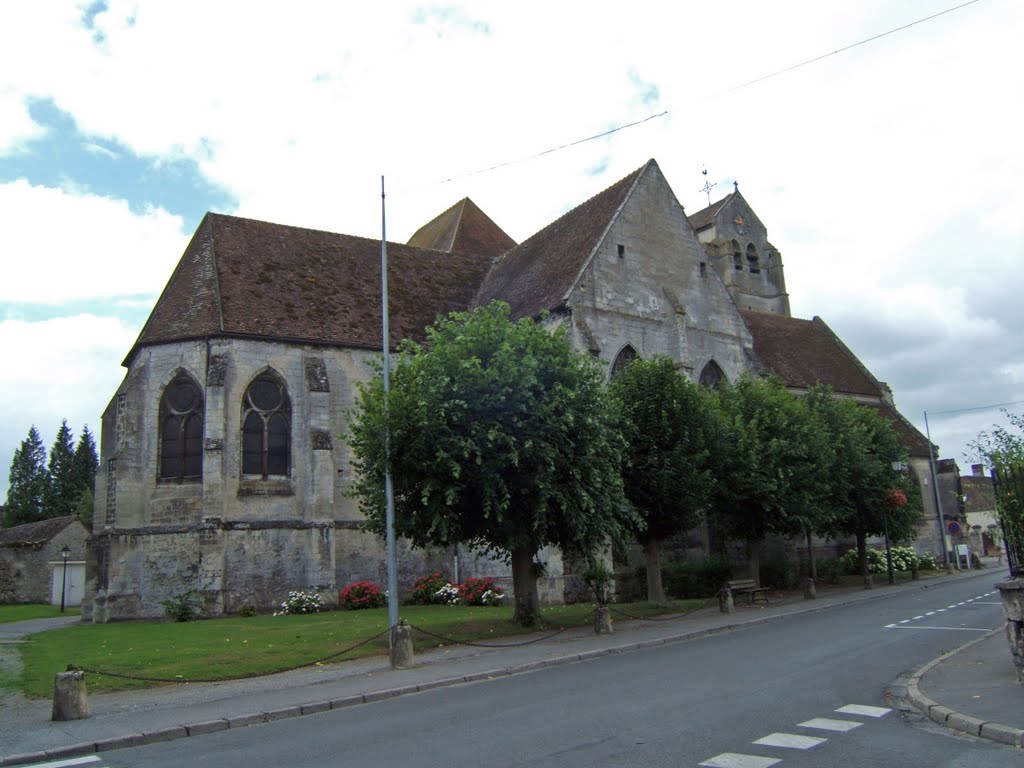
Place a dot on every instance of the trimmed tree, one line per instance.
(27, 489)
(865, 476)
(772, 473)
(670, 426)
(500, 437)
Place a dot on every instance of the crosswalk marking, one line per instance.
(736, 760)
(789, 741)
(828, 724)
(68, 763)
(863, 709)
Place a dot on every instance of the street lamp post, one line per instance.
(65, 553)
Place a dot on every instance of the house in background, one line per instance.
(32, 566)
(979, 501)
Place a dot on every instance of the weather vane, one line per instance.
(706, 189)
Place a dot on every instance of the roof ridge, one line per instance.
(638, 174)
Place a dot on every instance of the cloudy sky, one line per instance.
(888, 174)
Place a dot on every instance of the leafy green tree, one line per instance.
(1002, 448)
(863, 476)
(500, 437)
(771, 470)
(62, 493)
(671, 427)
(27, 489)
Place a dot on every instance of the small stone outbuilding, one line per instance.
(30, 555)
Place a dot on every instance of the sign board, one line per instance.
(953, 527)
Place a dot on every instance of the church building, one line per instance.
(223, 468)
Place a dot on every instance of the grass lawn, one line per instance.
(22, 612)
(257, 645)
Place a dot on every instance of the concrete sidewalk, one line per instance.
(979, 679)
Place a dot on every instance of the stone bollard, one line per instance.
(602, 620)
(915, 572)
(725, 601)
(69, 699)
(1012, 593)
(810, 592)
(401, 646)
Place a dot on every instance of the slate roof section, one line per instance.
(909, 435)
(34, 534)
(248, 278)
(535, 275)
(705, 216)
(464, 228)
(806, 352)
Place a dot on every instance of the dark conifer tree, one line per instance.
(27, 490)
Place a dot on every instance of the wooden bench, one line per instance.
(746, 587)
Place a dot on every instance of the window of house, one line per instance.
(752, 260)
(626, 356)
(712, 376)
(737, 257)
(181, 430)
(266, 428)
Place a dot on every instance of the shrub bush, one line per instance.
(927, 562)
(778, 573)
(479, 592)
(183, 606)
(691, 578)
(301, 601)
(876, 561)
(362, 594)
(830, 570)
(425, 590)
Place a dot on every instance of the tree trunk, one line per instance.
(862, 558)
(655, 590)
(812, 564)
(754, 559)
(524, 588)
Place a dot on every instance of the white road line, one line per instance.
(971, 599)
(983, 602)
(905, 621)
(930, 613)
(954, 629)
(67, 763)
(916, 618)
(827, 724)
(735, 760)
(940, 610)
(789, 741)
(864, 709)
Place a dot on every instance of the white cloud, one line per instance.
(16, 124)
(72, 246)
(66, 368)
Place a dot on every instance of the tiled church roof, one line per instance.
(463, 228)
(535, 275)
(241, 277)
(805, 352)
(705, 216)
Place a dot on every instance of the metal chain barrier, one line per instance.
(456, 641)
(673, 617)
(246, 676)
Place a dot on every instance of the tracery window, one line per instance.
(712, 376)
(181, 430)
(626, 356)
(266, 428)
(737, 257)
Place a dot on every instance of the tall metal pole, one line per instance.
(389, 497)
(935, 492)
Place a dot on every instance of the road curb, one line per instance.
(996, 732)
(946, 717)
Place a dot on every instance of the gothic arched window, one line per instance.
(266, 428)
(181, 430)
(752, 260)
(712, 376)
(737, 257)
(626, 356)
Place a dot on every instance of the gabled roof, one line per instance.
(464, 228)
(34, 534)
(535, 275)
(241, 277)
(909, 435)
(806, 352)
(705, 216)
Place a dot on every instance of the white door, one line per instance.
(73, 588)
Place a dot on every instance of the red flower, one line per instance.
(896, 498)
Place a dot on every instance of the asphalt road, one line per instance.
(686, 704)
